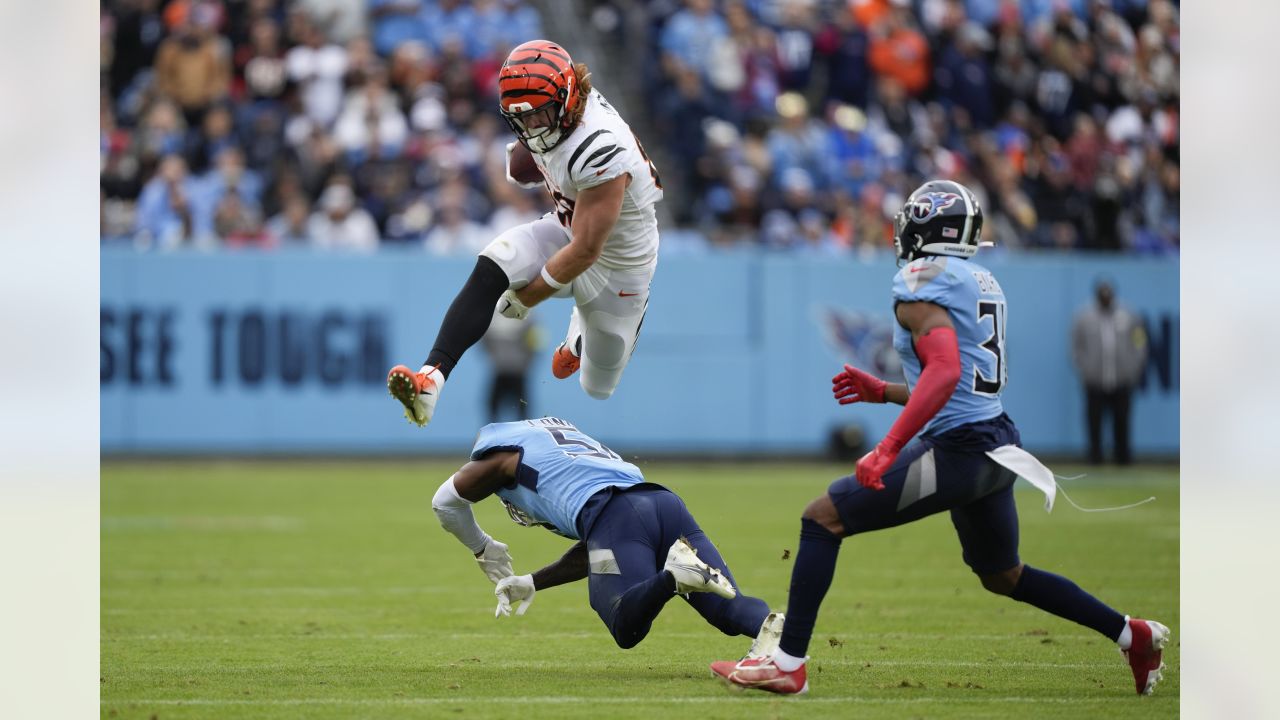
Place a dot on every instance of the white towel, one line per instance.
(1026, 466)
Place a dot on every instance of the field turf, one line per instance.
(328, 590)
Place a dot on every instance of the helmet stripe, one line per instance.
(968, 212)
(521, 76)
(525, 92)
(548, 50)
(534, 60)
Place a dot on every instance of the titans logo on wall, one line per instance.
(861, 339)
(930, 204)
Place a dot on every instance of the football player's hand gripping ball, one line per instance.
(517, 588)
(854, 385)
(495, 561)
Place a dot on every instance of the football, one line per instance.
(520, 165)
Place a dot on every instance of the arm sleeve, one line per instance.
(939, 354)
(454, 514)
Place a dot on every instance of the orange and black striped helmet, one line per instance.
(538, 93)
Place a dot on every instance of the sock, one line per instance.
(638, 606)
(1058, 595)
(1125, 641)
(469, 315)
(785, 662)
(810, 580)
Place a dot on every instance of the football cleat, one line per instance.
(763, 674)
(767, 639)
(417, 391)
(692, 575)
(1144, 653)
(564, 363)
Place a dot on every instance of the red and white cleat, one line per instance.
(564, 363)
(417, 391)
(763, 674)
(1144, 653)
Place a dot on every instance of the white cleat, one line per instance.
(769, 636)
(1145, 654)
(416, 391)
(692, 575)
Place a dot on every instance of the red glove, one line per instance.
(875, 464)
(854, 385)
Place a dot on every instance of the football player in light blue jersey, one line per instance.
(950, 335)
(637, 545)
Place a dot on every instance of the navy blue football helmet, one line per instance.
(941, 217)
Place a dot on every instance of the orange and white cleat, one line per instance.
(762, 674)
(564, 363)
(417, 391)
(1144, 653)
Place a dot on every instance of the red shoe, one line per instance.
(564, 363)
(417, 391)
(1149, 639)
(762, 674)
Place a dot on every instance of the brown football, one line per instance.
(522, 166)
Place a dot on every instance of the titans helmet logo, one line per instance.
(929, 205)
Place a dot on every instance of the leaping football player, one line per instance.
(599, 247)
(950, 334)
(636, 543)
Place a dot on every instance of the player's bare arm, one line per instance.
(479, 479)
(571, 567)
(594, 215)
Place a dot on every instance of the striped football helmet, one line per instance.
(538, 93)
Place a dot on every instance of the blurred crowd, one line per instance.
(788, 123)
(326, 123)
(802, 123)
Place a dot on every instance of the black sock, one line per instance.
(810, 580)
(1058, 595)
(469, 315)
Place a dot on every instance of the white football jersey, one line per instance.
(602, 148)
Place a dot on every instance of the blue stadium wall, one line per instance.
(287, 353)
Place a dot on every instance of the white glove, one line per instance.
(495, 561)
(516, 587)
(510, 306)
(511, 146)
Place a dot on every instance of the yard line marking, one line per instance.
(610, 700)
(846, 637)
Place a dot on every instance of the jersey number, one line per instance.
(582, 448)
(994, 345)
(564, 209)
(653, 169)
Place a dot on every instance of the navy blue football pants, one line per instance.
(627, 545)
(928, 479)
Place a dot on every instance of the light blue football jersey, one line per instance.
(560, 468)
(977, 308)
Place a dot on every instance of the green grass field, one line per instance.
(283, 590)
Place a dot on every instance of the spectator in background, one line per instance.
(290, 227)
(899, 50)
(371, 124)
(317, 66)
(340, 224)
(799, 142)
(193, 65)
(1109, 348)
(690, 34)
(510, 345)
(396, 22)
(843, 47)
(164, 207)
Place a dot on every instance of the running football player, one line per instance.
(636, 543)
(950, 334)
(599, 247)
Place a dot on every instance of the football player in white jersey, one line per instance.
(599, 247)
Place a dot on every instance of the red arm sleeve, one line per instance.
(939, 354)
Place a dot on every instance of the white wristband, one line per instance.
(552, 281)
